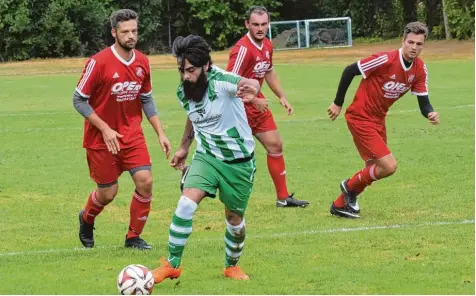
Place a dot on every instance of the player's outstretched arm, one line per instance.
(109, 135)
(179, 157)
(427, 109)
(346, 79)
(273, 82)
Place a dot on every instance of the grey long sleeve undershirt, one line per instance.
(82, 106)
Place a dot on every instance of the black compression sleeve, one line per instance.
(425, 106)
(345, 81)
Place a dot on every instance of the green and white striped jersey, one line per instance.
(219, 119)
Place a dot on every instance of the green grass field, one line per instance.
(416, 234)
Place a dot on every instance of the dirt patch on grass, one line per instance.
(434, 50)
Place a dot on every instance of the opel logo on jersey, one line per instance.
(261, 68)
(395, 87)
(125, 86)
(393, 90)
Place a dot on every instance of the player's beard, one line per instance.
(127, 46)
(196, 91)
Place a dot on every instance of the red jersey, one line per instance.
(252, 61)
(113, 86)
(385, 80)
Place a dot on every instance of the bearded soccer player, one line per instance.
(224, 157)
(387, 76)
(252, 57)
(114, 89)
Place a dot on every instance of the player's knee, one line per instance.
(106, 196)
(145, 185)
(275, 147)
(390, 168)
(393, 167)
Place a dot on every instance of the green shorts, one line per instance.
(233, 180)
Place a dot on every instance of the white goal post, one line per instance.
(326, 32)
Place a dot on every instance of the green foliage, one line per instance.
(461, 18)
(421, 10)
(223, 21)
(14, 25)
(90, 18)
(59, 28)
(363, 18)
(57, 35)
(388, 19)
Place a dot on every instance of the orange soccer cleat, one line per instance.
(165, 270)
(235, 272)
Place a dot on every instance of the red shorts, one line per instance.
(370, 139)
(261, 122)
(105, 168)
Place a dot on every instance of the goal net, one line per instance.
(328, 32)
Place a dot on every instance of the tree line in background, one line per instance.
(66, 28)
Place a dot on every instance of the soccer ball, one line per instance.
(135, 279)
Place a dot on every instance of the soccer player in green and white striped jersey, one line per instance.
(224, 158)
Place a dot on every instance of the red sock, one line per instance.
(92, 209)
(362, 179)
(140, 208)
(339, 202)
(277, 170)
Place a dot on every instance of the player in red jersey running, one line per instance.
(252, 57)
(387, 76)
(113, 90)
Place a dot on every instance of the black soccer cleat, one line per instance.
(137, 243)
(291, 202)
(184, 175)
(343, 212)
(350, 198)
(86, 232)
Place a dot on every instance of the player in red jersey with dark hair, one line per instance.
(387, 76)
(252, 57)
(113, 90)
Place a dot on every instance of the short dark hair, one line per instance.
(415, 28)
(193, 48)
(122, 15)
(256, 9)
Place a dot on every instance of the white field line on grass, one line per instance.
(6, 130)
(265, 236)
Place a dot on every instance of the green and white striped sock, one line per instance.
(234, 242)
(180, 229)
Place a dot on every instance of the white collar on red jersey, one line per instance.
(253, 42)
(400, 54)
(127, 63)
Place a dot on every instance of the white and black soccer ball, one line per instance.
(135, 279)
